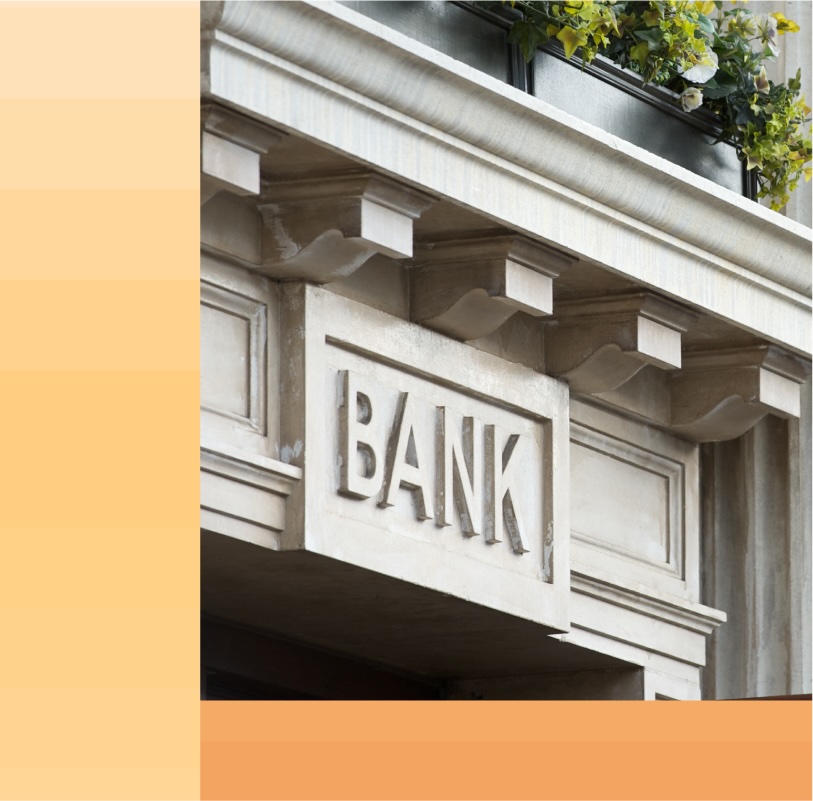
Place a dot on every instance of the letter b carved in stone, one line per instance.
(360, 471)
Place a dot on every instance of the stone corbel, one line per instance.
(599, 344)
(719, 395)
(230, 149)
(467, 288)
(324, 228)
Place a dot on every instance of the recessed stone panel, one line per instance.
(634, 511)
(623, 498)
(233, 356)
(225, 346)
(239, 359)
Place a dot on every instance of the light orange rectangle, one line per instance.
(111, 234)
(513, 750)
(96, 49)
(127, 720)
(102, 449)
(99, 325)
(99, 783)
(155, 557)
(99, 170)
(100, 144)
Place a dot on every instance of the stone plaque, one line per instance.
(424, 459)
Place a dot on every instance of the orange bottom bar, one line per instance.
(555, 750)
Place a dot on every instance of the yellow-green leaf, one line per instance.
(571, 39)
(639, 53)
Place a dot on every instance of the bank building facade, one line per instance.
(502, 396)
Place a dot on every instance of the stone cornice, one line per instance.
(249, 468)
(663, 607)
(375, 95)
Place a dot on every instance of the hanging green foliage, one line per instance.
(708, 56)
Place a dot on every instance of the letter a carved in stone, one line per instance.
(354, 444)
(459, 471)
(501, 512)
(406, 467)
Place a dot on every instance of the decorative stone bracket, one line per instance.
(719, 395)
(230, 150)
(467, 288)
(600, 343)
(324, 228)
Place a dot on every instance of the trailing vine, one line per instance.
(708, 56)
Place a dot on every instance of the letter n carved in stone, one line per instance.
(459, 471)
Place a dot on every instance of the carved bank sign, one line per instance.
(451, 463)
(419, 461)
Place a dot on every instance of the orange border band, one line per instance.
(506, 750)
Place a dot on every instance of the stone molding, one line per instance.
(323, 228)
(249, 468)
(669, 609)
(661, 226)
(467, 288)
(243, 494)
(618, 615)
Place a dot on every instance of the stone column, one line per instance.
(801, 588)
(756, 558)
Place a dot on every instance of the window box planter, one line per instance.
(601, 94)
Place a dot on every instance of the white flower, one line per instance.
(691, 99)
(768, 28)
(704, 65)
(767, 37)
